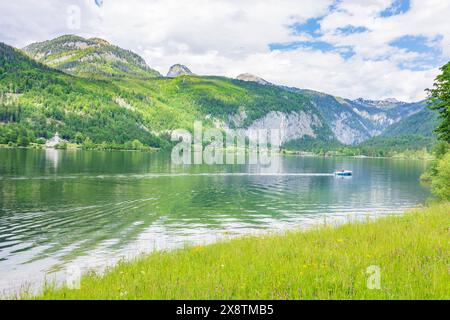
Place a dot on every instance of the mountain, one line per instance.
(121, 107)
(413, 132)
(37, 101)
(383, 114)
(179, 70)
(421, 123)
(12, 60)
(252, 78)
(355, 121)
(89, 57)
(126, 108)
(388, 103)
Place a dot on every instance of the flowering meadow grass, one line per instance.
(327, 262)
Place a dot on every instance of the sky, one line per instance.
(373, 49)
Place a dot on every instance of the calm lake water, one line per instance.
(60, 209)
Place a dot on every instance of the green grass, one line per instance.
(328, 262)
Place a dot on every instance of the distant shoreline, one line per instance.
(71, 147)
(283, 152)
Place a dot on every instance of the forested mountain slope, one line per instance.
(88, 89)
(42, 101)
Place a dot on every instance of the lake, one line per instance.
(88, 209)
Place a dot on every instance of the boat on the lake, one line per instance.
(343, 173)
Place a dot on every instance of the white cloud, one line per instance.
(425, 18)
(228, 37)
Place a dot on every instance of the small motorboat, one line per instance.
(343, 173)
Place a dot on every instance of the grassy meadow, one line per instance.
(327, 262)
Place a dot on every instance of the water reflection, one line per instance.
(52, 158)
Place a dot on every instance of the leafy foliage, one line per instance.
(441, 181)
(36, 102)
(440, 99)
(319, 146)
(411, 146)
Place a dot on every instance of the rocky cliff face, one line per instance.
(347, 121)
(354, 121)
(291, 126)
(178, 70)
(346, 132)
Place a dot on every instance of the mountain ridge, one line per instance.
(252, 78)
(179, 70)
(221, 102)
(89, 57)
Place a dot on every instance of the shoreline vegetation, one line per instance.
(408, 154)
(96, 147)
(325, 262)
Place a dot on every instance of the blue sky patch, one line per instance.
(310, 27)
(345, 51)
(315, 45)
(430, 55)
(351, 29)
(396, 8)
(334, 5)
(413, 43)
